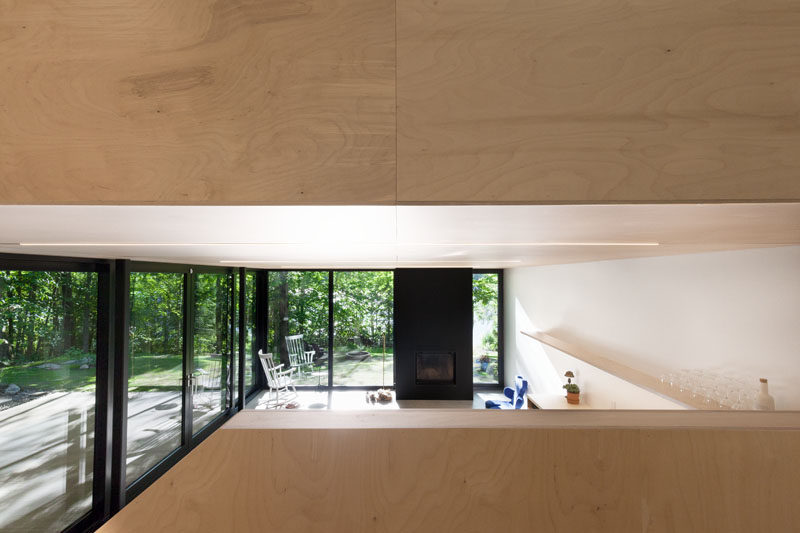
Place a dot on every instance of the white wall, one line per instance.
(544, 366)
(731, 313)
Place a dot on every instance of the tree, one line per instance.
(45, 313)
(282, 331)
(485, 305)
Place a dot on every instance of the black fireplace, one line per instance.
(433, 334)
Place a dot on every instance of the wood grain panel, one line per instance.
(484, 419)
(598, 100)
(718, 481)
(475, 479)
(197, 101)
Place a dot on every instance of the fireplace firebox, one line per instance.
(435, 368)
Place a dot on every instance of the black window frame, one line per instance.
(262, 294)
(329, 387)
(500, 332)
(102, 492)
(110, 492)
(189, 440)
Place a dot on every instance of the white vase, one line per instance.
(764, 402)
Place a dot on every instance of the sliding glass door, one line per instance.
(86, 344)
(155, 369)
(211, 347)
(48, 356)
(180, 363)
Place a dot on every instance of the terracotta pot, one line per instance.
(574, 398)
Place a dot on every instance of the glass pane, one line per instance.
(48, 332)
(212, 336)
(155, 369)
(298, 305)
(250, 319)
(485, 367)
(363, 318)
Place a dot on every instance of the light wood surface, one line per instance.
(411, 101)
(554, 402)
(475, 479)
(197, 102)
(528, 418)
(631, 375)
(598, 101)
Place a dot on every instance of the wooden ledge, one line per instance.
(523, 419)
(626, 373)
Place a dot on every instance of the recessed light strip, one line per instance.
(145, 243)
(482, 244)
(388, 261)
(530, 244)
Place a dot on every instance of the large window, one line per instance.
(155, 369)
(486, 328)
(298, 324)
(299, 332)
(48, 347)
(211, 347)
(363, 333)
(70, 331)
(179, 363)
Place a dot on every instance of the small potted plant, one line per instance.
(484, 361)
(573, 391)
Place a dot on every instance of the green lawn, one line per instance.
(368, 372)
(147, 372)
(68, 377)
(153, 372)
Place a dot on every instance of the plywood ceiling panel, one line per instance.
(598, 101)
(197, 102)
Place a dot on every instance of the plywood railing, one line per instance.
(449, 470)
(624, 372)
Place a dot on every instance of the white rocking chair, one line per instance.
(280, 382)
(298, 356)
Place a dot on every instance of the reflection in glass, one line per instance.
(48, 332)
(250, 333)
(298, 305)
(211, 347)
(485, 368)
(363, 317)
(155, 369)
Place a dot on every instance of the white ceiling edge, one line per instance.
(479, 236)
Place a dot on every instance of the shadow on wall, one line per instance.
(535, 366)
(544, 367)
(725, 318)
